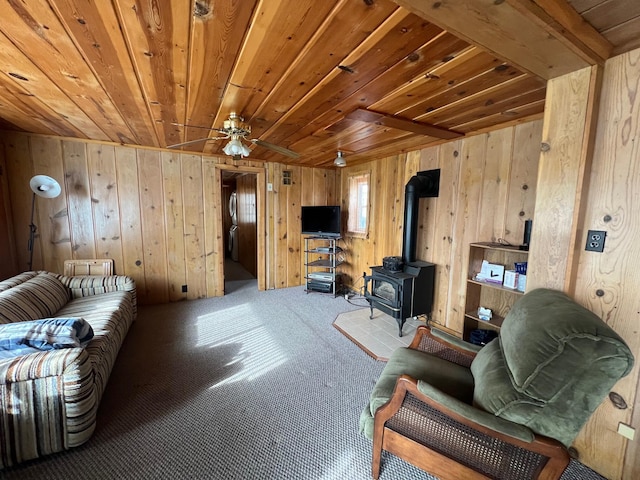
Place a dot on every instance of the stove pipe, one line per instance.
(423, 184)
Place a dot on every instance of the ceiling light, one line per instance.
(236, 147)
(340, 161)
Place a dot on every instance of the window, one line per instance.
(358, 222)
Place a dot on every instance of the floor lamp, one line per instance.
(42, 186)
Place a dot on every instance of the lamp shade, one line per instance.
(236, 147)
(45, 186)
(340, 160)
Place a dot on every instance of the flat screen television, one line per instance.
(322, 221)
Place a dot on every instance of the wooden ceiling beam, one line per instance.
(563, 21)
(390, 121)
(544, 37)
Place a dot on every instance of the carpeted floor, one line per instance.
(253, 385)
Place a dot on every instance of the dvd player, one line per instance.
(327, 277)
(328, 249)
(319, 287)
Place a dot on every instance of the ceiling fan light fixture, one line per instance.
(340, 160)
(236, 147)
(237, 132)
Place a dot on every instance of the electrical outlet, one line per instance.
(595, 240)
(626, 431)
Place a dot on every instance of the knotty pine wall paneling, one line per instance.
(309, 186)
(174, 214)
(468, 217)
(19, 172)
(435, 240)
(270, 232)
(306, 198)
(52, 221)
(194, 243)
(247, 222)
(213, 226)
(293, 241)
(483, 196)
(8, 265)
(131, 233)
(76, 179)
(280, 252)
(152, 219)
(523, 175)
(157, 213)
(608, 283)
(563, 165)
(104, 202)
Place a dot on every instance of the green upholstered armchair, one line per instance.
(506, 411)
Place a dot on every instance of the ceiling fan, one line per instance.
(236, 131)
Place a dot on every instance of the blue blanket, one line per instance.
(21, 338)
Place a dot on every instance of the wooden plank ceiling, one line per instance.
(368, 77)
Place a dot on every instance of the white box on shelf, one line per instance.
(522, 282)
(510, 279)
(484, 314)
(490, 272)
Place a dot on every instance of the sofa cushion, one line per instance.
(17, 280)
(38, 297)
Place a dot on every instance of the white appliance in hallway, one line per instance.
(233, 231)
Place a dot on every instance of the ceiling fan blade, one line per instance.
(276, 148)
(194, 141)
(195, 126)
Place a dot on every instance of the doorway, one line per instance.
(240, 228)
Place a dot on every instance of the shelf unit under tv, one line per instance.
(321, 263)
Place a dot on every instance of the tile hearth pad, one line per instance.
(378, 336)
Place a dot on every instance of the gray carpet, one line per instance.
(254, 385)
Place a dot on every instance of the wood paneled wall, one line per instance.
(157, 213)
(608, 283)
(487, 191)
(8, 264)
(246, 188)
(308, 187)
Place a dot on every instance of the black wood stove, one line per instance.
(403, 288)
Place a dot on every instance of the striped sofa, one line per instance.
(49, 399)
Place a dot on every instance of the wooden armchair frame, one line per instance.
(543, 458)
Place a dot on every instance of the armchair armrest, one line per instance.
(51, 393)
(87, 285)
(444, 345)
(461, 441)
(47, 363)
